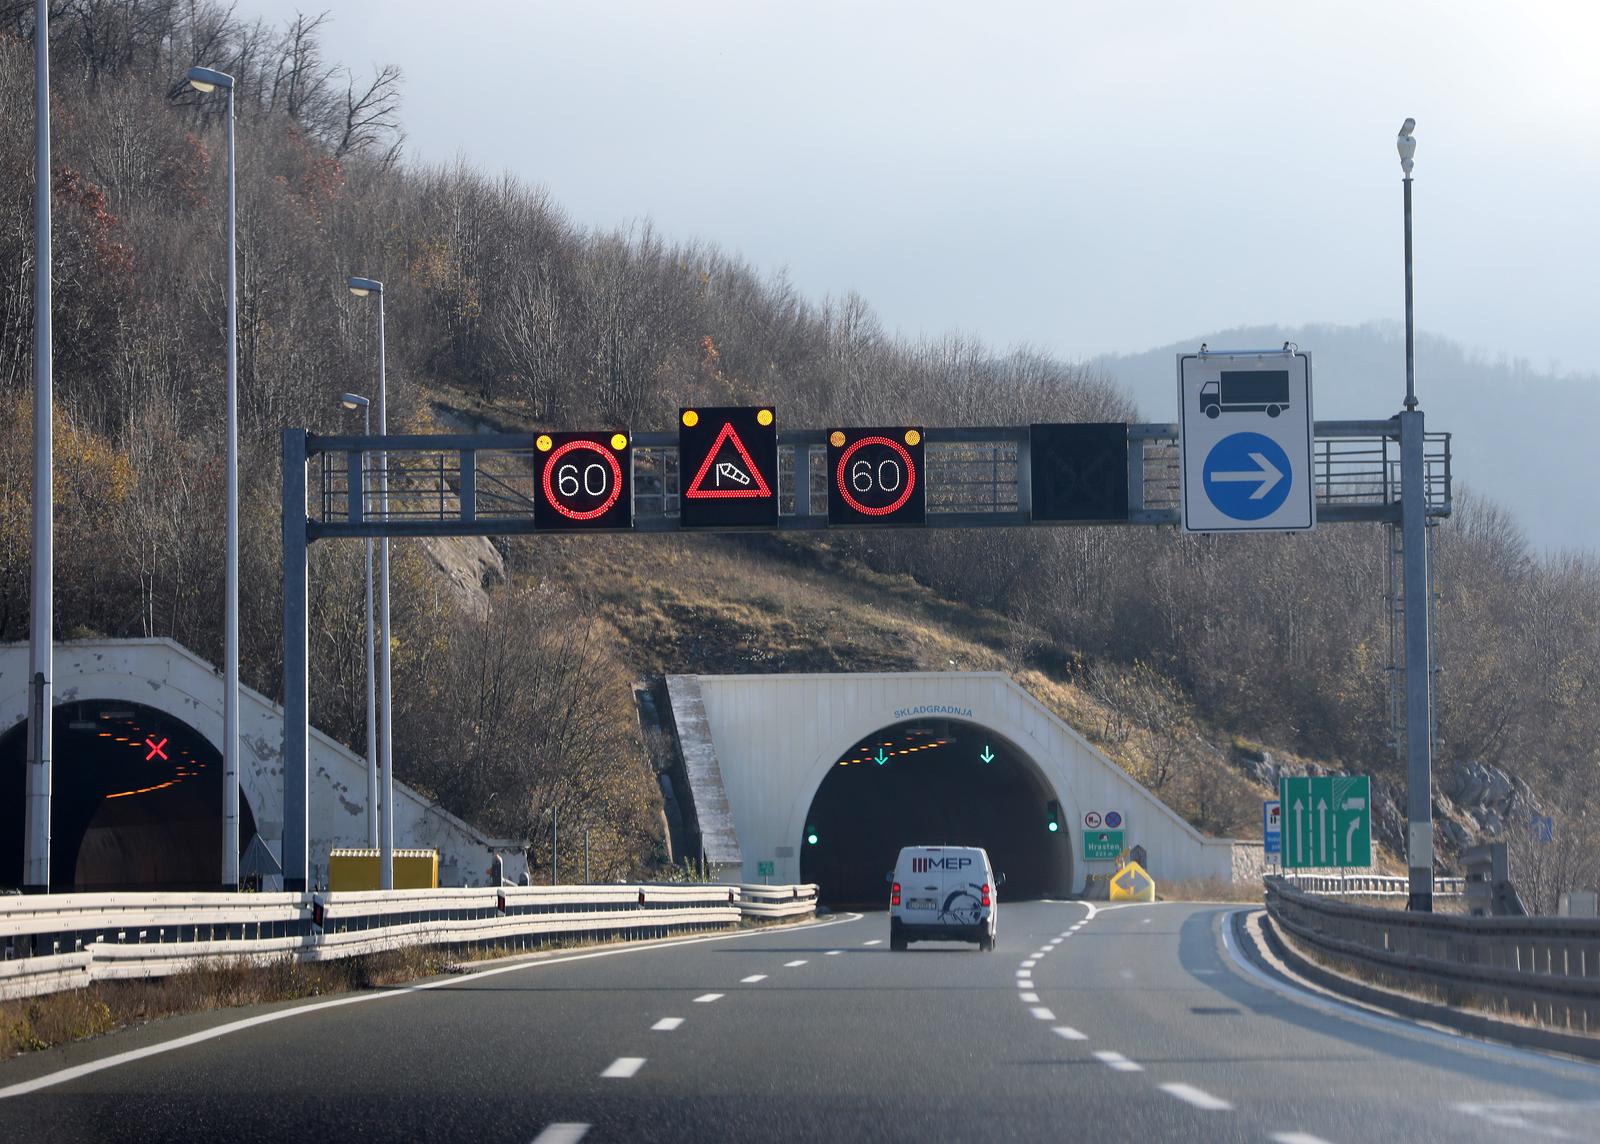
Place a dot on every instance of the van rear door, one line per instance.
(921, 878)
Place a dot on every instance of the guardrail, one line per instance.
(1371, 885)
(68, 941)
(1547, 969)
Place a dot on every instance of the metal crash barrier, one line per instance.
(1546, 969)
(69, 941)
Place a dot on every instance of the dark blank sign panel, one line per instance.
(1080, 472)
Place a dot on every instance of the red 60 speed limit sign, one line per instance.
(877, 477)
(582, 481)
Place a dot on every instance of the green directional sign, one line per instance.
(1101, 845)
(764, 869)
(1327, 822)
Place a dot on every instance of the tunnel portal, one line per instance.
(933, 782)
(137, 801)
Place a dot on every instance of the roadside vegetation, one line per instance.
(1184, 657)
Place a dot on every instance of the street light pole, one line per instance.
(208, 80)
(1415, 602)
(356, 401)
(41, 630)
(361, 288)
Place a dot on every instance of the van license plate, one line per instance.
(921, 903)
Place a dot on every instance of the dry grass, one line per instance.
(57, 1018)
(1209, 890)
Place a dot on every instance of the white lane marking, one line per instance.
(1028, 998)
(1197, 1097)
(707, 998)
(565, 1133)
(833, 953)
(1024, 983)
(1030, 963)
(874, 941)
(1298, 1138)
(1068, 1033)
(1055, 941)
(1127, 974)
(1144, 921)
(793, 964)
(752, 979)
(1117, 1061)
(1023, 973)
(1076, 928)
(454, 981)
(1373, 1020)
(666, 1024)
(1042, 1014)
(623, 1067)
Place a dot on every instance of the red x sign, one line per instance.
(155, 748)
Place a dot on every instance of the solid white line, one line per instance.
(1298, 1138)
(1028, 998)
(794, 964)
(1373, 1020)
(62, 1076)
(1042, 1013)
(1117, 1061)
(561, 1134)
(752, 979)
(1197, 1097)
(666, 1024)
(623, 1067)
(1067, 1032)
(707, 998)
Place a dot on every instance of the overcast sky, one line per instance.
(1082, 177)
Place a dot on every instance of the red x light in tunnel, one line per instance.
(155, 748)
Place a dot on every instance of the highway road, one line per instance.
(1127, 1023)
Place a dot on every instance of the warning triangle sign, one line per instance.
(728, 473)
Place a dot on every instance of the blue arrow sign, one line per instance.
(1248, 476)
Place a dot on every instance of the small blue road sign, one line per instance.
(1544, 828)
(1248, 476)
(1272, 826)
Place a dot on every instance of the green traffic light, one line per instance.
(812, 838)
(1054, 827)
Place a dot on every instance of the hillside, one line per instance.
(1182, 654)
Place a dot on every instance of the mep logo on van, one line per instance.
(923, 865)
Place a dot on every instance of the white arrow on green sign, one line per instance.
(1327, 821)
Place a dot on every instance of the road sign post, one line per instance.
(1245, 439)
(1327, 821)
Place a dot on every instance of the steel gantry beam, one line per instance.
(1388, 472)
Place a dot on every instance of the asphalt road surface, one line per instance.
(1128, 1023)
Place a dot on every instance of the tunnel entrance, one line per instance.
(933, 782)
(137, 801)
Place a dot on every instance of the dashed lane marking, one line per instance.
(623, 1067)
(707, 998)
(1197, 1097)
(752, 979)
(794, 964)
(1029, 964)
(1068, 1033)
(1055, 941)
(1023, 973)
(565, 1133)
(833, 953)
(1117, 1061)
(1042, 1014)
(1028, 998)
(874, 941)
(666, 1024)
(1298, 1138)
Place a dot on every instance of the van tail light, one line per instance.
(894, 895)
(984, 889)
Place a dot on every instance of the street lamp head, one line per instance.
(361, 287)
(205, 79)
(1407, 146)
(353, 401)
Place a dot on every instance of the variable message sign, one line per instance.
(728, 467)
(1079, 472)
(582, 481)
(876, 477)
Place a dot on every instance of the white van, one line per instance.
(942, 893)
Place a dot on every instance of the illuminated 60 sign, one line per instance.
(877, 477)
(582, 481)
